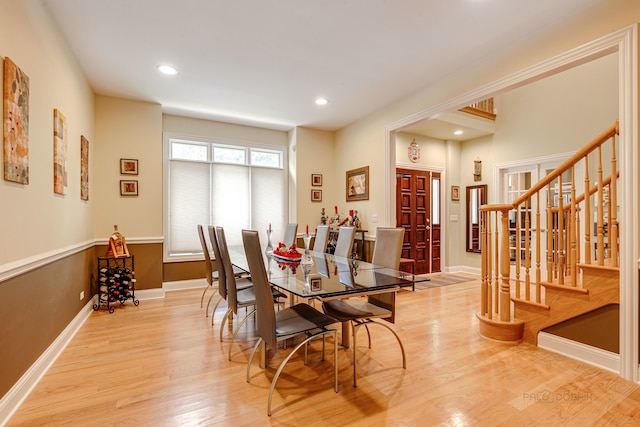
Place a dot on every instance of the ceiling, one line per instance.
(264, 63)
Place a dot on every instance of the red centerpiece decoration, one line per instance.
(289, 254)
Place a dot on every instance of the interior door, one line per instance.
(414, 214)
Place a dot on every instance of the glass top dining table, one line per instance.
(325, 276)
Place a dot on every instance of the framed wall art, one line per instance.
(16, 123)
(84, 168)
(128, 188)
(316, 195)
(129, 166)
(358, 184)
(59, 152)
(455, 193)
(316, 179)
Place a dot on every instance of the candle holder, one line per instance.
(307, 242)
(269, 248)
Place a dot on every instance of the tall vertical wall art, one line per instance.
(84, 168)
(59, 152)
(16, 123)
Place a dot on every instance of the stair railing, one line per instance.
(568, 235)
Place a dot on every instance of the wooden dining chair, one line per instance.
(273, 327)
(358, 312)
(290, 234)
(321, 239)
(344, 245)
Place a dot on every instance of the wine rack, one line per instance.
(116, 282)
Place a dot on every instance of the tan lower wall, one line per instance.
(176, 271)
(36, 307)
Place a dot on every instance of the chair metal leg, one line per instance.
(204, 292)
(215, 292)
(368, 334)
(215, 307)
(356, 325)
(233, 335)
(224, 320)
(404, 357)
(253, 353)
(296, 348)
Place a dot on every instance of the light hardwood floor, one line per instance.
(161, 364)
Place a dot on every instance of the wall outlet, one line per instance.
(81, 295)
(374, 218)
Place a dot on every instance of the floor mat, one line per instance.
(443, 280)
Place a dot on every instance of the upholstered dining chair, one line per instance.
(241, 276)
(290, 234)
(344, 245)
(210, 275)
(359, 312)
(388, 247)
(236, 298)
(273, 327)
(322, 237)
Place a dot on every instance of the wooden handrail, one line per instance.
(598, 141)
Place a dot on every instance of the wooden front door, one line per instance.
(414, 214)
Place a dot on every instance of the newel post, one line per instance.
(505, 267)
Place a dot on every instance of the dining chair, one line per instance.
(210, 275)
(290, 234)
(274, 327)
(388, 247)
(242, 276)
(386, 252)
(236, 298)
(344, 244)
(321, 239)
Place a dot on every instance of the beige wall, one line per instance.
(368, 134)
(34, 44)
(315, 155)
(131, 130)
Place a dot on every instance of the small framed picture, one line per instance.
(455, 193)
(129, 166)
(316, 179)
(128, 188)
(316, 195)
(316, 284)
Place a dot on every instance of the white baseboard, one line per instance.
(462, 269)
(184, 284)
(585, 353)
(11, 401)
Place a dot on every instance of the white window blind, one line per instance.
(218, 183)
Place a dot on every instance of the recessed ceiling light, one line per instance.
(167, 69)
(458, 132)
(322, 101)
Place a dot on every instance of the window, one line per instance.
(211, 182)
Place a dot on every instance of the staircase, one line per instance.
(525, 288)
